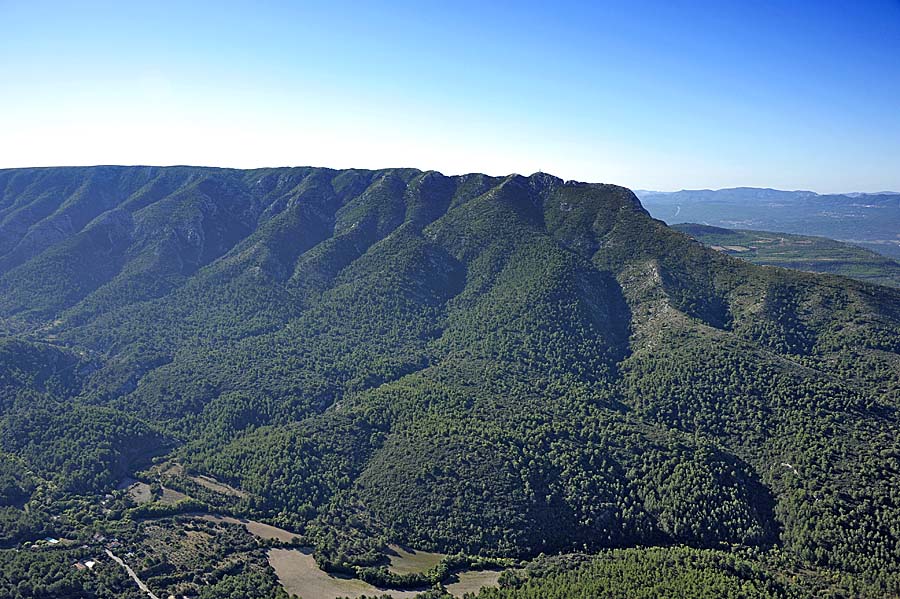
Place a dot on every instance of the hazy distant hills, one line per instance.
(869, 220)
(496, 366)
(802, 252)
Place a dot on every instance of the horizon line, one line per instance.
(633, 189)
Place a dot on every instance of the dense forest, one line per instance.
(497, 368)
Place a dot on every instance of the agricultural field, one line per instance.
(473, 581)
(800, 252)
(299, 574)
(404, 560)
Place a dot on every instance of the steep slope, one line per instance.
(504, 366)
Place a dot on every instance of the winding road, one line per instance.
(131, 573)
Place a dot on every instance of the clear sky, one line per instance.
(650, 94)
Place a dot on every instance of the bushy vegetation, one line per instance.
(50, 574)
(636, 573)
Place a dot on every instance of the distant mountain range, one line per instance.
(871, 220)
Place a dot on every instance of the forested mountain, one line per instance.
(495, 366)
(870, 220)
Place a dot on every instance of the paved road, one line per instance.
(131, 573)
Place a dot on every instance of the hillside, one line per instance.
(869, 220)
(486, 366)
(801, 252)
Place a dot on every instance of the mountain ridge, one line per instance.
(503, 366)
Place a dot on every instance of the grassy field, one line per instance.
(140, 492)
(259, 529)
(216, 486)
(472, 581)
(408, 561)
(298, 573)
(800, 252)
(171, 496)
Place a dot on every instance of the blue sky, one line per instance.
(649, 94)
